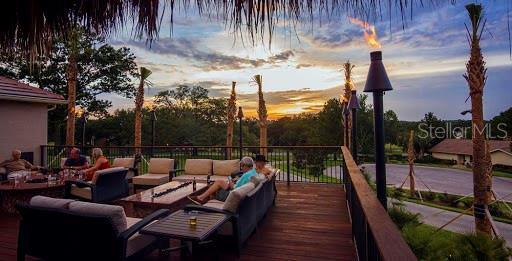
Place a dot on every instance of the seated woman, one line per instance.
(224, 187)
(100, 163)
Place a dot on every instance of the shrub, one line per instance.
(429, 195)
(396, 193)
(481, 247)
(402, 217)
(428, 159)
(500, 210)
(427, 243)
(461, 204)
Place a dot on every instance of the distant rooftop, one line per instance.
(465, 146)
(17, 91)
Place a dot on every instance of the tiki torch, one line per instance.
(377, 82)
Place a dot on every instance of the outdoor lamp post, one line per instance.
(153, 129)
(377, 82)
(353, 105)
(240, 117)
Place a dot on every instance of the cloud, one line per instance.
(303, 65)
(208, 61)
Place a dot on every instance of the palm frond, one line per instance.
(29, 26)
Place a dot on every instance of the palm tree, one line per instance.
(71, 77)
(262, 115)
(476, 76)
(231, 119)
(347, 67)
(139, 102)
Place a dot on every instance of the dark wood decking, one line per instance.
(309, 222)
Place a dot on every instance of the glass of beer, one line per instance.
(192, 221)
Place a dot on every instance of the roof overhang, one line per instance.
(502, 150)
(32, 99)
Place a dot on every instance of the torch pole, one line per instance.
(380, 164)
(354, 134)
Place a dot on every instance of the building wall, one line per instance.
(445, 156)
(23, 126)
(500, 157)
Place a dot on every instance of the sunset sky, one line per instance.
(302, 69)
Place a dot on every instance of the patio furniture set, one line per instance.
(114, 225)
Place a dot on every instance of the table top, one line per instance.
(148, 196)
(11, 186)
(177, 225)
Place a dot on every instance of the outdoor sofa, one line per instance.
(200, 169)
(106, 186)
(64, 229)
(246, 205)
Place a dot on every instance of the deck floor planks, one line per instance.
(309, 222)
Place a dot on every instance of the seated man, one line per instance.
(16, 163)
(224, 187)
(75, 160)
(261, 163)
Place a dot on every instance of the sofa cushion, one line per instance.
(198, 167)
(151, 179)
(123, 162)
(225, 167)
(116, 213)
(160, 166)
(236, 196)
(137, 241)
(84, 192)
(257, 179)
(128, 163)
(256, 189)
(47, 202)
(99, 173)
(214, 204)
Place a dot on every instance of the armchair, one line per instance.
(109, 184)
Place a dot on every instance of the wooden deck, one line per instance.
(309, 222)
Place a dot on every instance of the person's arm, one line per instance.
(3, 163)
(29, 166)
(85, 165)
(96, 166)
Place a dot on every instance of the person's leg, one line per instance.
(219, 184)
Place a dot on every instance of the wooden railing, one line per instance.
(375, 235)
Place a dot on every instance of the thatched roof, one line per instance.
(28, 26)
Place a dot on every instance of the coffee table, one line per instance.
(144, 203)
(177, 226)
(11, 193)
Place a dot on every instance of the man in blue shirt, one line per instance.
(75, 160)
(222, 187)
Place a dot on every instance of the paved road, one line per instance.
(452, 181)
(437, 218)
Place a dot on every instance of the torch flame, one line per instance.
(370, 35)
